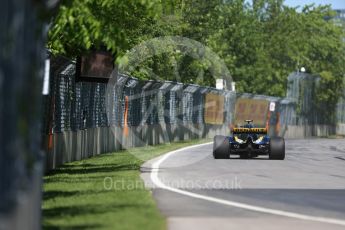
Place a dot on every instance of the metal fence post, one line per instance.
(22, 57)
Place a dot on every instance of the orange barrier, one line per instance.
(125, 127)
(214, 109)
(50, 141)
(278, 124)
(251, 109)
(268, 120)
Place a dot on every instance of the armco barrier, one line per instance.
(76, 145)
(304, 131)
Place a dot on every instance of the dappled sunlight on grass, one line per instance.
(75, 195)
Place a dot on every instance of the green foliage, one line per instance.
(117, 24)
(261, 43)
(328, 93)
(264, 43)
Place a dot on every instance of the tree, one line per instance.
(82, 24)
(263, 43)
(260, 43)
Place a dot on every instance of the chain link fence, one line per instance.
(300, 114)
(161, 111)
(80, 105)
(77, 113)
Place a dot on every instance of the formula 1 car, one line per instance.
(249, 142)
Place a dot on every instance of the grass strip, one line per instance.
(104, 192)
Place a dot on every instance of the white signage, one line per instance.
(45, 90)
(219, 84)
(272, 106)
(233, 86)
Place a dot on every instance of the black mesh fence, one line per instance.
(301, 106)
(80, 105)
(76, 105)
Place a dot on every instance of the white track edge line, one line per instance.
(160, 184)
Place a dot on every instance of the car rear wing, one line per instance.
(249, 130)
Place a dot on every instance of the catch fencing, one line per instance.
(86, 118)
(76, 106)
(298, 114)
(301, 115)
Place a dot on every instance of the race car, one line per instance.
(248, 142)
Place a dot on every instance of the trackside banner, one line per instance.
(214, 109)
(251, 109)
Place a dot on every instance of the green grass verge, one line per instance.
(77, 195)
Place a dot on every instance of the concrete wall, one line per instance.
(340, 129)
(306, 131)
(76, 145)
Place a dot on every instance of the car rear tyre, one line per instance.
(277, 148)
(221, 147)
